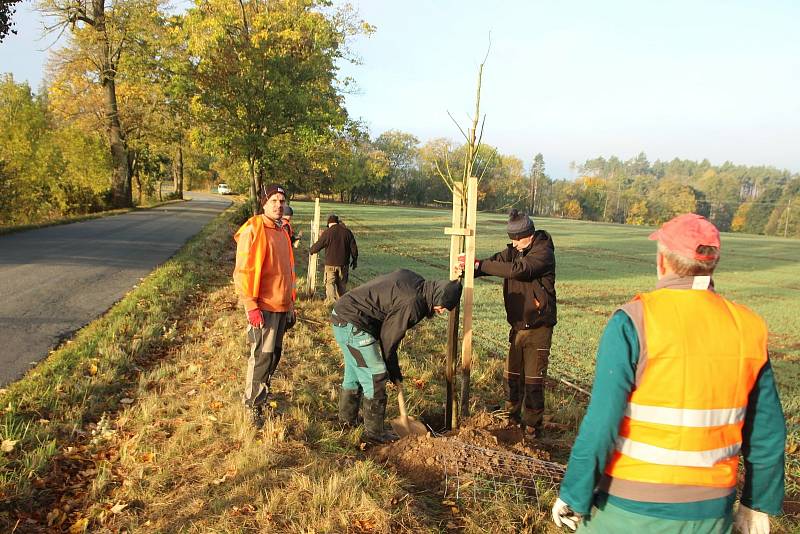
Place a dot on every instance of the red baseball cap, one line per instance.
(683, 234)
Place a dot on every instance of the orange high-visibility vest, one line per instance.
(264, 264)
(701, 356)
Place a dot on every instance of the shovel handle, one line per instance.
(401, 400)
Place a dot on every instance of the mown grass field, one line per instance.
(158, 440)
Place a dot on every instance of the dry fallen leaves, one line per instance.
(363, 525)
(8, 445)
(118, 508)
(126, 400)
(79, 526)
(92, 369)
(228, 474)
(247, 509)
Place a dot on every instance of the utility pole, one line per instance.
(788, 214)
(533, 189)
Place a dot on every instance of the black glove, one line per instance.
(291, 319)
(353, 264)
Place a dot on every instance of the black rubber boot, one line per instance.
(349, 402)
(374, 414)
(257, 416)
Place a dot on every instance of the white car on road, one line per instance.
(223, 189)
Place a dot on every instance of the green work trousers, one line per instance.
(613, 519)
(364, 367)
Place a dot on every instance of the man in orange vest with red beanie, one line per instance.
(683, 386)
(264, 281)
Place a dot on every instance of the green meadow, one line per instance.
(136, 425)
(599, 267)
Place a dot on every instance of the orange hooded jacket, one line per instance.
(264, 272)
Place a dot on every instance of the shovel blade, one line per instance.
(408, 427)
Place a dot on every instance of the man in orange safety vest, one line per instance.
(683, 387)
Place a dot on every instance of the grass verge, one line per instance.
(89, 375)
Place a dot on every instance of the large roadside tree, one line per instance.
(7, 8)
(101, 32)
(265, 75)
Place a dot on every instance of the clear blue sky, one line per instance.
(574, 80)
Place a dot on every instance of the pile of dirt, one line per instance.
(484, 444)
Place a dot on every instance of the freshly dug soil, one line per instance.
(484, 445)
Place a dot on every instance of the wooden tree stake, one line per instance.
(312, 260)
(469, 283)
(456, 239)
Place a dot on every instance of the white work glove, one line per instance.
(563, 516)
(749, 521)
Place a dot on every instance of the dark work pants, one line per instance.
(335, 281)
(526, 369)
(266, 346)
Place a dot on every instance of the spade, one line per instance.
(404, 425)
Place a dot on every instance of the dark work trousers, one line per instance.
(364, 367)
(266, 346)
(335, 281)
(526, 369)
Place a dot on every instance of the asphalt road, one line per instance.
(55, 280)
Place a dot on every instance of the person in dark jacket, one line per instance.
(528, 269)
(369, 322)
(288, 213)
(341, 254)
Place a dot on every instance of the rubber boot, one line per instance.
(349, 401)
(374, 414)
(257, 416)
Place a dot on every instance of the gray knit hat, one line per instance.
(519, 225)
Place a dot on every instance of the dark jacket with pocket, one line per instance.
(339, 244)
(387, 307)
(529, 282)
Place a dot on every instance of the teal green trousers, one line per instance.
(613, 519)
(364, 367)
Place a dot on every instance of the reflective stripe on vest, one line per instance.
(683, 416)
(659, 455)
(700, 357)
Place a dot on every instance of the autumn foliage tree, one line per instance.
(101, 33)
(265, 75)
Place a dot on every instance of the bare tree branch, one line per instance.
(458, 126)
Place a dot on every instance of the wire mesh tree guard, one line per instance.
(481, 473)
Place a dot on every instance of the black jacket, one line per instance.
(387, 307)
(339, 244)
(529, 278)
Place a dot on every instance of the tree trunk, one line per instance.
(120, 173)
(178, 173)
(133, 172)
(251, 165)
(120, 178)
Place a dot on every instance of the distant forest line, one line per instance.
(237, 92)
